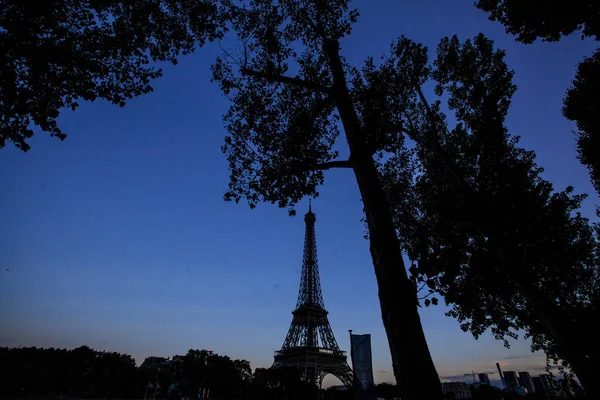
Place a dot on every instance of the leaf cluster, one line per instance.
(551, 21)
(281, 124)
(56, 54)
(482, 226)
(548, 20)
(581, 105)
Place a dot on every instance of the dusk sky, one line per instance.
(119, 238)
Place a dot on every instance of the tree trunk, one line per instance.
(581, 353)
(413, 366)
(585, 371)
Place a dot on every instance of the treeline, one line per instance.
(30, 372)
(83, 372)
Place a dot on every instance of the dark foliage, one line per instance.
(55, 54)
(226, 378)
(582, 105)
(333, 393)
(546, 20)
(487, 392)
(561, 327)
(484, 229)
(550, 21)
(87, 373)
(83, 372)
(277, 383)
(387, 391)
(275, 140)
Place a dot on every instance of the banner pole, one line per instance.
(352, 359)
(350, 332)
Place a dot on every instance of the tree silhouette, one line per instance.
(281, 382)
(551, 21)
(81, 372)
(582, 106)
(487, 392)
(289, 87)
(386, 391)
(57, 53)
(485, 230)
(87, 373)
(202, 369)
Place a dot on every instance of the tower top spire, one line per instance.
(309, 215)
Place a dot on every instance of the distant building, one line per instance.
(526, 381)
(154, 361)
(501, 375)
(550, 384)
(511, 381)
(539, 386)
(460, 389)
(484, 379)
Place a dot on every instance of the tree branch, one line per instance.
(287, 80)
(426, 296)
(334, 164)
(255, 155)
(321, 167)
(421, 288)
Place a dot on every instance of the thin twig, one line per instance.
(333, 164)
(257, 156)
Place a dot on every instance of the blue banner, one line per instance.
(362, 366)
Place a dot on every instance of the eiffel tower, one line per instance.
(310, 344)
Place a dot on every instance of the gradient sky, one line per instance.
(119, 238)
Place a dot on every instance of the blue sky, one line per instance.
(119, 238)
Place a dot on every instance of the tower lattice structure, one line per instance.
(310, 343)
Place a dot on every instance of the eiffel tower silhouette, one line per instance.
(310, 344)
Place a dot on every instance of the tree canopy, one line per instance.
(277, 142)
(546, 20)
(32, 372)
(551, 21)
(557, 293)
(57, 53)
(87, 373)
(226, 378)
(276, 382)
(484, 229)
(582, 106)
